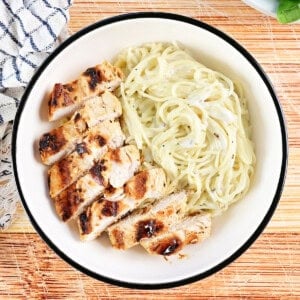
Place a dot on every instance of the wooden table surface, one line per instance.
(271, 267)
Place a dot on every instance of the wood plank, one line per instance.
(31, 269)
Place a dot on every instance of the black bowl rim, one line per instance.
(259, 70)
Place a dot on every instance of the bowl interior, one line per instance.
(230, 231)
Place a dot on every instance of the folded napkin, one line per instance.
(29, 31)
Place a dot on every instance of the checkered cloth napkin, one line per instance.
(29, 31)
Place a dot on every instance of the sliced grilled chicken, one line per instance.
(104, 135)
(144, 224)
(66, 98)
(101, 213)
(62, 140)
(190, 230)
(71, 201)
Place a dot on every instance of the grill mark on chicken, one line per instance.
(52, 142)
(71, 202)
(119, 238)
(101, 140)
(67, 212)
(115, 155)
(84, 222)
(77, 117)
(139, 186)
(63, 166)
(80, 124)
(67, 100)
(94, 77)
(81, 148)
(96, 172)
(110, 208)
(168, 246)
(110, 190)
(148, 228)
(61, 91)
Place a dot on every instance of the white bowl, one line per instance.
(267, 7)
(233, 232)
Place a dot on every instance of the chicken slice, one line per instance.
(104, 135)
(99, 215)
(71, 201)
(66, 98)
(119, 164)
(190, 230)
(62, 140)
(149, 184)
(141, 224)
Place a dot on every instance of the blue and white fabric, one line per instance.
(29, 31)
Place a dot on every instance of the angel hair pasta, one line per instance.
(190, 120)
